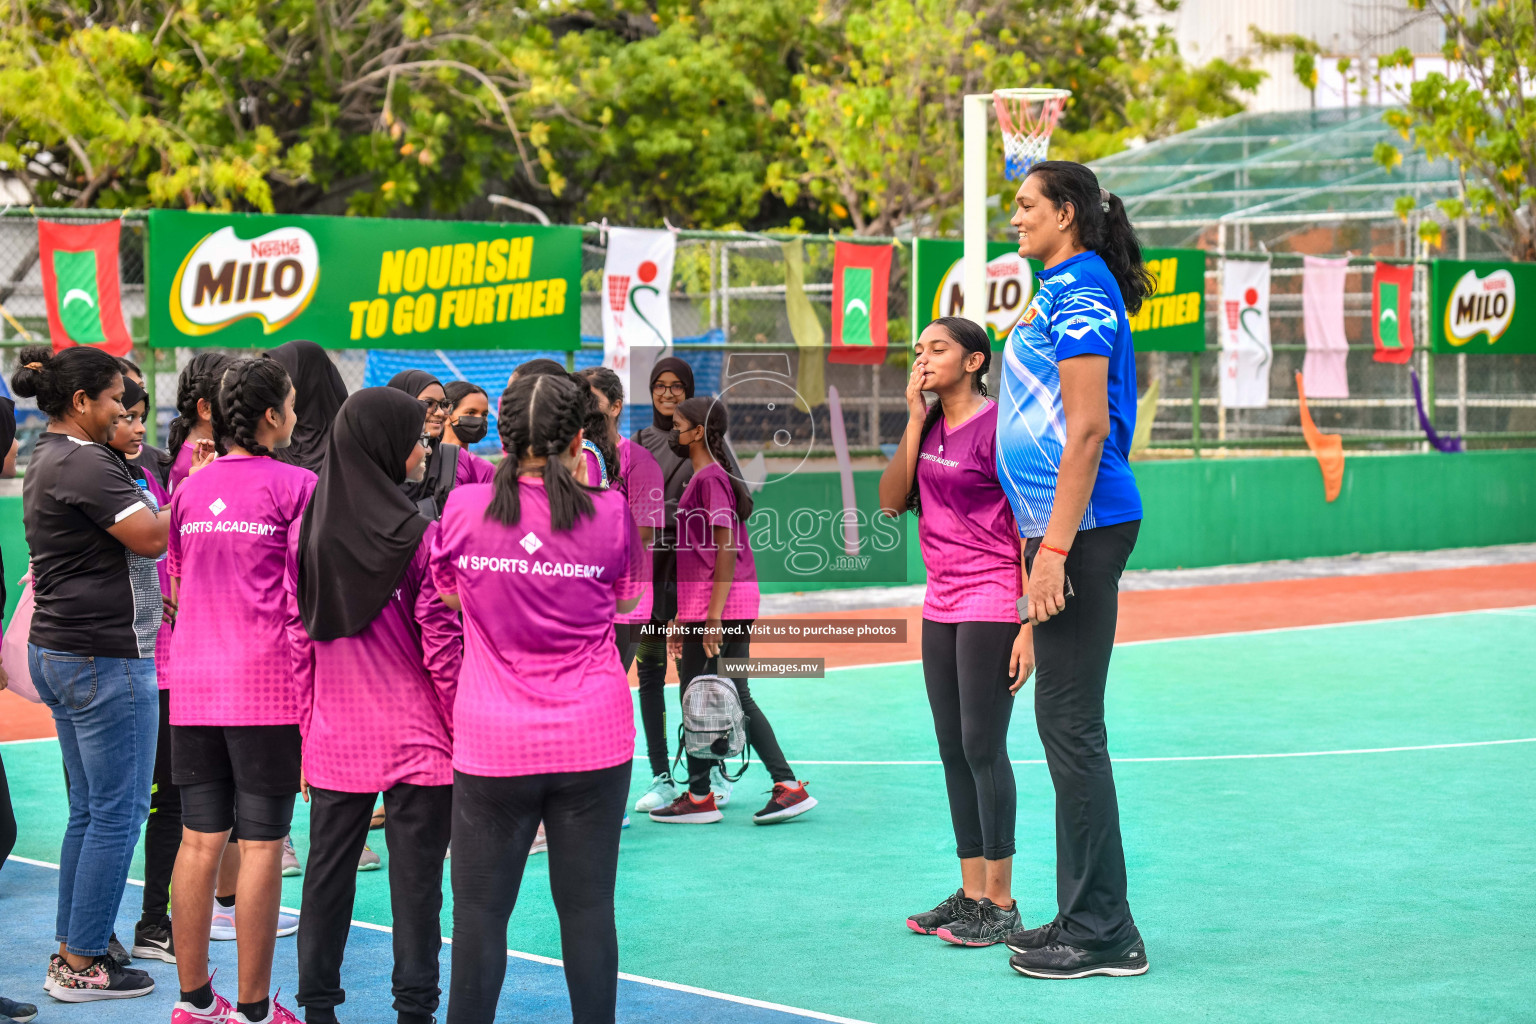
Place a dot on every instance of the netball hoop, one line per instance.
(1027, 118)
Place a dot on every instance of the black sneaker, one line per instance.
(16, 1013)
(956, 908)
(104, 979)
(116, 951)
(1032, 938)
(154, 942)
(989, 926)
(1059, 960)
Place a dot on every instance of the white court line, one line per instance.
(550, 961)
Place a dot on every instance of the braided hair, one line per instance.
(248, 388)
(709, 413)
(972, 337)
(540, 415)
(198, 381)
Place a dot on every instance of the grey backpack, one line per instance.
(714, 726)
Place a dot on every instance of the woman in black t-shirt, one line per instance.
(90, 650)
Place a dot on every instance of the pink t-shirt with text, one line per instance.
(376, 708)
(708, 501)
(541, 688)
(641, 483)
(232, 659)
(966, 530)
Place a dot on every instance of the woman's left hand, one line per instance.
(1047, 586)
(1022, 661)
(714, 631)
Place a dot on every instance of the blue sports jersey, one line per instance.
(1076, 311)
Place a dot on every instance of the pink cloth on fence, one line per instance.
(1322, 309)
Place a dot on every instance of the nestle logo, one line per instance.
(218, 506)
(276, 247)
(531, 543)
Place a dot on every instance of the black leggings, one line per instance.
(651, 668)
(162, 835)
(736, 643)
(494, 821)
(965, 666)
(1071, 666)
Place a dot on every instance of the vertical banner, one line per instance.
(636, 302)
(805, 328)
(1391, 316)
(861, 276)
(1322, 311)
(80, 289)
(1246, 355)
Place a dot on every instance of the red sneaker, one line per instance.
(788, 801)
(687, 810)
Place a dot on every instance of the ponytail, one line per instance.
(972, 337)
(246, 391)
(540, 415)
(199, 381)
(1101, 223)
(710, 413)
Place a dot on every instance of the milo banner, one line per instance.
(1172, 318)
(1482, 307)
(238, 280)
(938, 267)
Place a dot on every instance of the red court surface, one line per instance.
(1144, 615)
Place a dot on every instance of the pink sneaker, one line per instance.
(218, 1013)
(277, 1013)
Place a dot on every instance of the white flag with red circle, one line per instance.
(1246, 353)
(636, 299)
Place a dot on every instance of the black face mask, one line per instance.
(470, 429)
(678, 448)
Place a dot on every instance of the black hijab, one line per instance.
(413, 382)
(360, 531)
(684, 373)
(318, 392)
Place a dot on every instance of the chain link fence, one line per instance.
(731, 322)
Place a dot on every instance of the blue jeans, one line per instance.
(107, 713)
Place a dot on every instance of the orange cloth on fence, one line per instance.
(1329, 448)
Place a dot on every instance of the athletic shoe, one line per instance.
(662, 792)
(720, 786)
(540, 842)
(686, 810)
(218, 1013)
(368, 860)
(956, 908)
(788, 801)
(223, 927)
(18, 1013)
(287, 924)
(1033, 938)
(1059, 960)
(277, 1013)
(154, 942)
(990, 925)
(625, 822)
(104, 979)
(290, 859)
(116, 951)
(377, 821)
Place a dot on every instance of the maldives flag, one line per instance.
(861, 275)
(80, 285)
(1391, 320)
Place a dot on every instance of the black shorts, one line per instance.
(259, 759)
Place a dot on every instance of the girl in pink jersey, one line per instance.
(468, 423)
(194, 410)
(543, 726)
(976, 654)
(235, 741)
(717, 600)
(376, 706)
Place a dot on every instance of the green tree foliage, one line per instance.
(1482, 117)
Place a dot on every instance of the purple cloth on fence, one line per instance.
(1444, 444)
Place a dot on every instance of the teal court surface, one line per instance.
(1322, 824)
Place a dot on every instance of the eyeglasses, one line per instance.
(425, 440)
(662, 389)
(438, 403)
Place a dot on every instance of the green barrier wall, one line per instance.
(1198, 513)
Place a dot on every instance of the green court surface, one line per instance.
(1363, 885)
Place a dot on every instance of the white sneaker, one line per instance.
(720, 786)
(540, 843)
(290, 859)
(223, 927)
(662, 792)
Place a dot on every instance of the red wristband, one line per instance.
(1047, 547)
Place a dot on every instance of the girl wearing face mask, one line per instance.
(469, 420)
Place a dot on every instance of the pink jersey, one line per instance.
(640, 481)
(708, 501)
(541, 688)
(232, 659)
(472, 469)
(181, 465)
(376, 708)
(966, 530)
(163, 638)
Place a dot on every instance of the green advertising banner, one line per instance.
(251, 280)
(1172, 318)
(1473, 307)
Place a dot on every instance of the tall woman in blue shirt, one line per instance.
(1065, 417)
